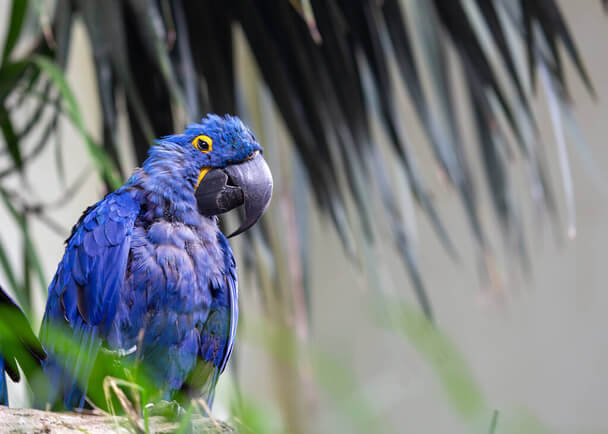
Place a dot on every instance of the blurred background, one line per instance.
(431, 261)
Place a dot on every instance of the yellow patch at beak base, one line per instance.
(201, 175)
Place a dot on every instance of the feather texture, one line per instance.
(144, 269)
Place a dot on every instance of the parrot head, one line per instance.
(223, 160)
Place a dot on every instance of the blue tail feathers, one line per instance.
(3, 391)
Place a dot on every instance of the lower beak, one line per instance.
(248, 183)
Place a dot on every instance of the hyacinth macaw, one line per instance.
(147, 271)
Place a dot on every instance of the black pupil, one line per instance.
(202, 145)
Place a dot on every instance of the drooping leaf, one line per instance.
(454, 18)
(108, 28)
(560, 140)
(18, 12)
(184, 61)
(11, 139)
(490, 15)
(152, 34)
(73, 111)
(550, 18)
(312, 55)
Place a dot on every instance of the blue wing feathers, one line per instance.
(122, 273)
(3, 391)
(234, 312)
(87, 285)
(218, 333)
(233, 301)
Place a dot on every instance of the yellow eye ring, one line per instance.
(203, 143)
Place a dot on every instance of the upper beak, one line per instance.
(248, 183)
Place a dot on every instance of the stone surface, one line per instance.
(25, 420)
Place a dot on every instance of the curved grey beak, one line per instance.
(248, 183)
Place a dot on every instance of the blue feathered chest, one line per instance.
(177, 275)
(145, 274)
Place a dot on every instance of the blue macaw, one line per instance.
(147, 272)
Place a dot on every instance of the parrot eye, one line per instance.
(203, 143)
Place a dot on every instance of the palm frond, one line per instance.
(328, 66)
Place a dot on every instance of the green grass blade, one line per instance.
(251, 417)
(185, 422)
(34, 261)
(11, 73)
(448, 365)
(18, 12)
(494, 423)
(31, 259)
(451, 370)
(11, 139)
(100, 158)
(150, 25)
